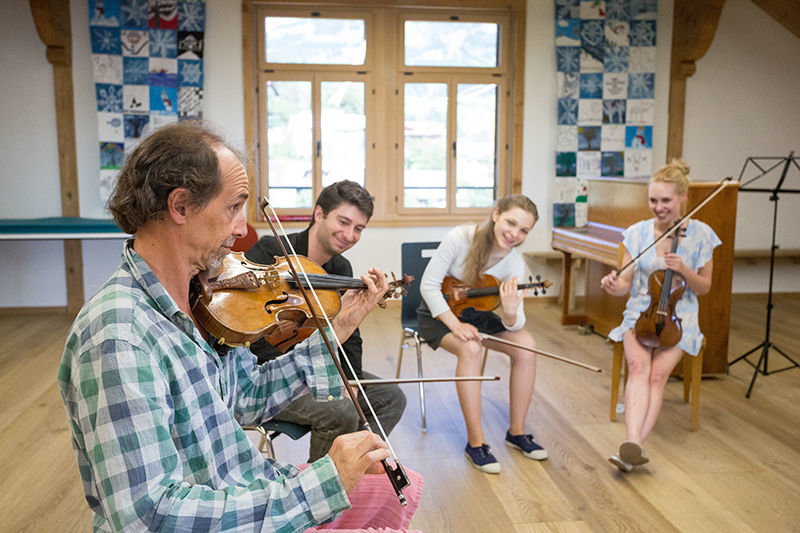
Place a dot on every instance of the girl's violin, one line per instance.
(658, 326)
(242, 301)
(484, 296)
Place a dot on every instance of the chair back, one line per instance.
(414, 259)
(242, 244)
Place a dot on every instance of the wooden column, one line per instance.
(693, 29)
(52, 21)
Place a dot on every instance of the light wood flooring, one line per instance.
(739, 472)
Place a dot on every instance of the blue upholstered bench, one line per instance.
(59, 228)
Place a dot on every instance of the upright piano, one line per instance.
(615, 204)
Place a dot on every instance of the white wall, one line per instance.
(742, 101)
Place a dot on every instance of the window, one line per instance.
(414, 104)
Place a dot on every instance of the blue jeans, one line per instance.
(328, 420)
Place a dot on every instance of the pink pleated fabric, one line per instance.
(375, 507)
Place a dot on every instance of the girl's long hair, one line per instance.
(484, 236)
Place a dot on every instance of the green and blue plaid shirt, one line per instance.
(155, 414)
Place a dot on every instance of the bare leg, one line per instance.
(469, 392)
(637, 389)
(663, 363)
(523, 377)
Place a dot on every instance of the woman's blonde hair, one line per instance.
(482, 241)
(676, 172)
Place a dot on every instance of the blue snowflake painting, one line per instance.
(567, 111)
(592, 32)
(616, 59)
(163, 43)
(191, 16)
(643, 33)
(641, 85)
(134, 14)
(617, 10)
(592, 85)
(109, 97)
(190, 73)
(134, 70)
(105, 40)
(568, 59)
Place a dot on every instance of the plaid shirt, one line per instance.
(155, 414)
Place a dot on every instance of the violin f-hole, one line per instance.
(276, 301)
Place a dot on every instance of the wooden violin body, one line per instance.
(658, 326)
(241, 301)
(484, 295)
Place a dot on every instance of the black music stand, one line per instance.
(761, 367)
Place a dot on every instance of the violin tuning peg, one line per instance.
(536, 292)
(538, 277)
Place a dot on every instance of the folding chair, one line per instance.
(414, 259)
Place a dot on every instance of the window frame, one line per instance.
(383, 98)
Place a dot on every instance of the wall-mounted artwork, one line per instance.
(605, 63)
(147, 57)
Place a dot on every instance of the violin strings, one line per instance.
(344, 356)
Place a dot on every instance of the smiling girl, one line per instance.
(466, 253)
(649, 369)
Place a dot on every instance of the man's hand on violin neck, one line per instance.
(357, 303)
(356, 454)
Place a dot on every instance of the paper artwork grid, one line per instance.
(605, 63)
(147, 57)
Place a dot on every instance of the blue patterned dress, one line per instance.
(696, 249)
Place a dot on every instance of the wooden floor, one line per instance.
(739, 472)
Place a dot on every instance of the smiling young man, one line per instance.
(340, 215)
(155, 404)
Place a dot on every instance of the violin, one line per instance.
(243, 301)
(658, 326)
(484, 296)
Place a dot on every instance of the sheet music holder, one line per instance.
(765, 166)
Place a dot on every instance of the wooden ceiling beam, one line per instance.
(693, 29)
(786, 12)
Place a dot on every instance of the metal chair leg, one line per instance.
(403, 338)
(421, 385)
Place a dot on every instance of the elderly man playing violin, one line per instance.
(155, 404)
(341, 213)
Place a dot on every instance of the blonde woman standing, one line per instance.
(649, 369)
(466, 253)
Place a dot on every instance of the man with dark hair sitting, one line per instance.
(340, 215)
(156, 405)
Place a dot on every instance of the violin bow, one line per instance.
(674, 227)
(397, 475)
(493, 338)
